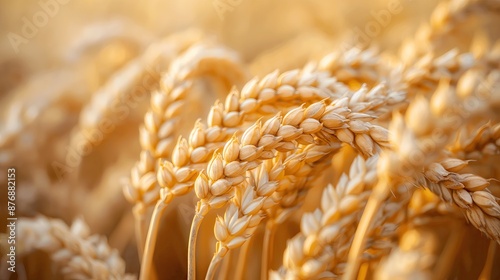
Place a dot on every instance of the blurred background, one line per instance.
(57, 56)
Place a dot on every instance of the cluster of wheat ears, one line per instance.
(360, 165)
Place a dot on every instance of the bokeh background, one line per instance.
(47, 80)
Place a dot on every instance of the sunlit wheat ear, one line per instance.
(76, 254)
(162, 121)
(349, 115)
(412, 140)
(407, 154)
(228, 118)
(239, 223)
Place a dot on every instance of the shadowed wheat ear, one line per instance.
(442, 27)
(468, 192)
(416, 144)
(474, 145)
(143, 72)
(356, 66)
(163, 119)
(320, 249)
(76, 254)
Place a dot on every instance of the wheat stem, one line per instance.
(488, 265)
(214, 264)
(201, 211)
(226, 263)
(147, 260)
(242, 259)
(267, 248)
(379, 194)
(450, 251)
(140, 228)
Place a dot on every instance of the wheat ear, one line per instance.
(417, 147)
(483, 141)
(162, 119)
(160, 122)
(469, 192)
(259, 143)
(256, 99)
(142, 72)
(176, 176)
(77, 254)
(308, 254)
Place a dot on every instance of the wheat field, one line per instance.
(237, 139)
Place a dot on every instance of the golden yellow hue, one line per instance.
(233, 139)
